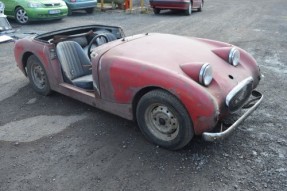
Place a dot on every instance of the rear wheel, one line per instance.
(163, 120)
(37, 76)
(21, 16)
(188, 11)
(156, 11)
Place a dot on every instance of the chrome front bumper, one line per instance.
(213, 136)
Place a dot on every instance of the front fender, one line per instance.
(122, 78)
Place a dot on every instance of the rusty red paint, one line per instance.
(122, 68)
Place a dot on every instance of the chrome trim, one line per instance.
(213, 136)
(236, 89)
(231, 56)
(202, 72)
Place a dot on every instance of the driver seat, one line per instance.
(75, 64)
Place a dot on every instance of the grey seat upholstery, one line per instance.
(82, 41)
(75, 64)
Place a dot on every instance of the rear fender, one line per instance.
(24, 48)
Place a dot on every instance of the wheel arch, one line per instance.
(18, 6)
(163, 97)
(24, 60)
(138, 96)
(144, 91)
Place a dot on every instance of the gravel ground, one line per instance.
(57, 143)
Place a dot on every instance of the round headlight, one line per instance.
(205, 74)
(234, 56)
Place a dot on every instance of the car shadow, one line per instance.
(175, 13)
(79, 13)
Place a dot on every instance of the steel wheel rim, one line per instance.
(38, 76)
(22, 16)
(162, 122)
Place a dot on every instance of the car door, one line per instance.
(9, 7)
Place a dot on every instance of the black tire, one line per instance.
(70, 12)
(164, 120)
(188, 11)
(21, 16)
(38, 76)
(90, 10)
(156, 11)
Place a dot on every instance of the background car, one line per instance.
(5, 26)
(24, 11)
(87, 5)
(186, 5)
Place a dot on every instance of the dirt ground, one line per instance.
(57, 143)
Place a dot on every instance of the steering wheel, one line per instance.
(95, 42)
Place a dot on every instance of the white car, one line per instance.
(5, 27)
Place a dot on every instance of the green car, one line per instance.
(31, 10)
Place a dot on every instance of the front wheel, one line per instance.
(21, 16)
(163, 120)
(37, 76)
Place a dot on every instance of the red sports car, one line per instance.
(186, 5)
(175, 87)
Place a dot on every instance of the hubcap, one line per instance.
(162, 122)
(38, 76)
(22, 16)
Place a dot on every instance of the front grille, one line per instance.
(239, 94)
(52, 4)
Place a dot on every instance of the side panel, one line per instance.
(42, 50)
(196, 3)
(9, 7)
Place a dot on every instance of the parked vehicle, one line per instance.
(175, 87)
(24, 11)
(87, 5)
(6, 31)
(5, 26)
(186, 5)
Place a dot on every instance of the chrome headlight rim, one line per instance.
(205, 74)
(234, 56)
